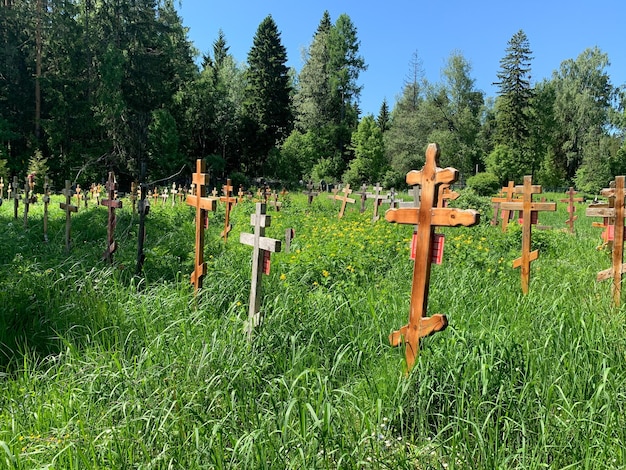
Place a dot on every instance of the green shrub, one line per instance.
(484, 184)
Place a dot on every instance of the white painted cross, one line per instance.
(261, 245)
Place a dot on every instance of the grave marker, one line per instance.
(240, 194)
(506, 195)
(77, 194)
(310, 193)
(69, 208)
(174, 192)
(262, 247)
(378, 200)
(616, 214)
(202, 205)
(1, 187)
(275, 203)
(26, 198)
(144, 208)
(229, 200)
(133, 196)
(16, 197)
(446, 194)
(363, 194)
(426, 217)
(111, 203)
(290, 234)
(344, 199)
(571, 208)
(527, 208)
(164, 196)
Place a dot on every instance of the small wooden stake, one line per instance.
(69, 208)
(426, 217)
(616, 214)
(202, 204)
(261, 245)
(527, 207)
(112, 204)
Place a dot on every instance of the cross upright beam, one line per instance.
(427, 216)
(571, 208)
(527, 208)
(26, 198)
(111, 203)
(616, 215)
(16, 197)
(202, 204)
(262, 246)
(68, 208)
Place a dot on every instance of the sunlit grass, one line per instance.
(100, 368)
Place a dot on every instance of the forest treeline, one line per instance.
(87, 85)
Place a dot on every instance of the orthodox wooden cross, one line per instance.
(335, 191)
(527, 207)
(155, 195)
(202, 204)
(46, 201)
(310, 192)
(426, 217)
(391, 198)
(174, 192)
(378, 200)
(77, 195)
(164, 196)
(68, 208)
(214, 193)
(240, 195)
(274, 202)
(616, 214)
(182, 193)
(112, 203)
(262, 247)
(133, 196)
(1, 187)
(608, 223)
(344, 199)
(16, 197)
(229, 200)
(571, 208)
(446, 194)
(506, 195)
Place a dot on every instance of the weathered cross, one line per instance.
(310, 192)
(164, 196)
(378, 200)
(616, 214)
(155, 195)
(527, 207)
(506, 195)
(133, 196)
(229, 200)
(112, 204)
(335, 191)
(571, 208)
(202, 204)
(69, 208)
(262, 247)
(426, 217)
(26, 198)
(77, 194)
(344, 199)
(174, 192)
(363, 194)
(274, 202)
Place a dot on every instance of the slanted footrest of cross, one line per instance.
(426, 217)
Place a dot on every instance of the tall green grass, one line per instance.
(100, 368)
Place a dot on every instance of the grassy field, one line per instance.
(102, 369)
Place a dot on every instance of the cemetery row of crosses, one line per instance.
(427, 211)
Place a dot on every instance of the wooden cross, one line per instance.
(378, 200)
(310, 193)
(335, 191)
(77, 195)
(240, 194)
(26, 198)
(446, 194)
(69, 208)
(229, 200)
(344, 199)
(391, 198)
(426, 217)
(616, 214)
(155, 195)
(214, 193)
(290, 234)
(1, 187)
(46, 201)
(164, 196)
(527, 208)
(112, 204)
(16, 197)
(202, 204)
(263, 246)
(363, 194)
(507, 194)
(182, 192)
(274, 202)
(571, 208)
(174, 192)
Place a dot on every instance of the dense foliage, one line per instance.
(118, 84)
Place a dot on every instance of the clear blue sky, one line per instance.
(390, 32)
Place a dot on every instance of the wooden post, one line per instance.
(16, 197)
(1, 187)
(26, 198)
(363, 194)
(133, 196)
(378, 200)
(310, 192)
(344, 199)
(202, 205)
(290, 234)
(144, 208)
(616, 214)
(46, 201)
(229, 200)
(527, 208)
(571, 208)
(112, 204)
(262, 247)
(426, 217)
(69, 208)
